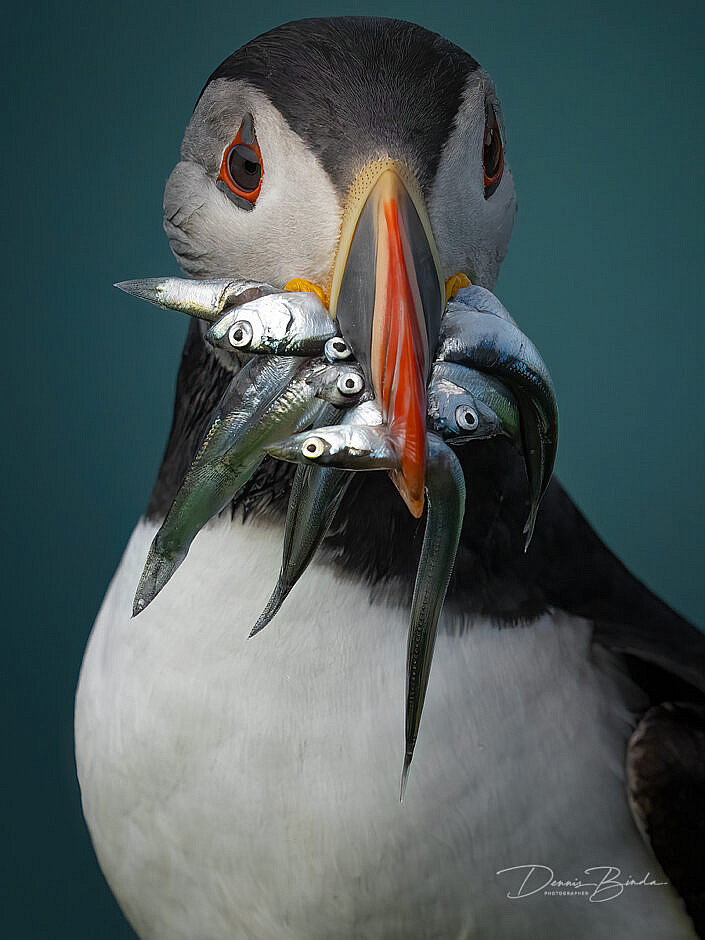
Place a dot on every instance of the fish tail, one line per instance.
(279, 595)
(158, 569)
(528, 530)
(405, 774)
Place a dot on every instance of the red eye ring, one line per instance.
(241, 167)
(492, 153)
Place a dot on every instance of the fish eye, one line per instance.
(466, 418)
(240, 334)
(492, 152)
(312, 447)
(349, 383)
(241, 168)
(337, 348)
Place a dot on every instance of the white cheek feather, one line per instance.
(292, 231)
(472, 232)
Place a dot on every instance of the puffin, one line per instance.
(248, 788)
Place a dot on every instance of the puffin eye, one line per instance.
(241, 167)
(349, 383)
(492, 153)
(466, 418)
(312, 447)
(244, 168)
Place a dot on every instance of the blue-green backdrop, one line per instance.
(604, 108)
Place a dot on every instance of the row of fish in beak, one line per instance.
(301, 397)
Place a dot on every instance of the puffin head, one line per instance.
(362, 158)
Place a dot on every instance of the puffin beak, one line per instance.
(388, 295)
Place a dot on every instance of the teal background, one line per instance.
(604, 109)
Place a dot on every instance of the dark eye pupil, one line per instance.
(244, 168)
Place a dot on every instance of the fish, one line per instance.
(362, 443)
(466, 405)
(316, 494)
(271, 395)
(495, 345)
(445, 511)
(291, 323)
(205, 300)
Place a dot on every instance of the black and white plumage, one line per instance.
(238, 788)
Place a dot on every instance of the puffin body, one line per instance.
(249, 788)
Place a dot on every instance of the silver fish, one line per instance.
(270, 395)
(497, 346)
(360, 444)
(291, 323)
(316, 494)
(206, 300)
(466, 405)
(445, 492)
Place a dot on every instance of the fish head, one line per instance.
(342, 384)
(458, 415)
(258, 326)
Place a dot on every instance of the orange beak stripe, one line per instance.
(399, 359)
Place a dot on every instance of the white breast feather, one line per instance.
(249, 788)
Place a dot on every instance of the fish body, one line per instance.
(205, 299)
(492, 344)
(445, 510)
(466, 405)
(290, 323)
(269, 396)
